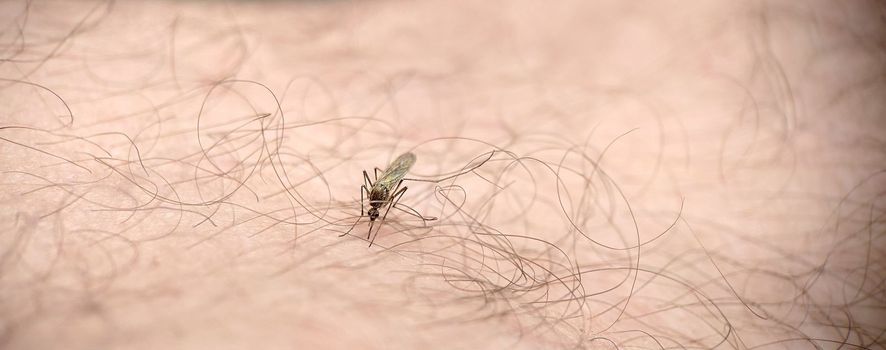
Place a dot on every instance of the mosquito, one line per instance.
(387, 190)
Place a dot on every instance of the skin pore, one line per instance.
(648, 174)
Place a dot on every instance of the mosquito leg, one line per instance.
(414, 212)
(464, 171)
(369, 234)
(376, 173)
(394, 199)
(363, 189)
(366, 180)
(350, 229)
(367, 184)
(395, 203)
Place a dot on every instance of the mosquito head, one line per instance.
(373, 214)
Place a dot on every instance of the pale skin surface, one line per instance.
(667, 175)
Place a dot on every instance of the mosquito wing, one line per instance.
(396, 171)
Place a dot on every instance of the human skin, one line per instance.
(630, 174)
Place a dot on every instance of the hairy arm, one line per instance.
(655, 175)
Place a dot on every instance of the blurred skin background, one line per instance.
(680, 174)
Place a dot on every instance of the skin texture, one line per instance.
(685, 174)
